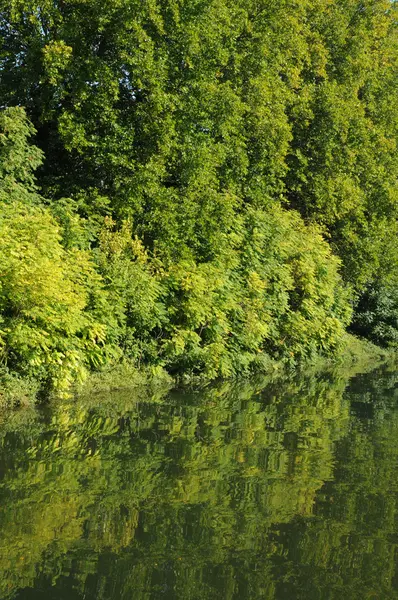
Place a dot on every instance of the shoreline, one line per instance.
(357, 356)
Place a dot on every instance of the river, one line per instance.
(258, 490)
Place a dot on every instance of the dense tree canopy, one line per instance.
(227, 169)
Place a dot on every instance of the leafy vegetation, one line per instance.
(197, 188)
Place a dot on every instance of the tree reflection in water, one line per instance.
(278, 491)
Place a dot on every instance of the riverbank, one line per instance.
(240, 488)
(357, 356)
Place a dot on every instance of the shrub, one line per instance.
(49, 327)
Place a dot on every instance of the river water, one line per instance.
(258, 490)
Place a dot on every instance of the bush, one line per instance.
(49, 326)
(275, 294)
(80, 294)
(376, 314)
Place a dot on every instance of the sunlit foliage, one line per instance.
(220, 162)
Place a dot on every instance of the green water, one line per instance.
(238, 492)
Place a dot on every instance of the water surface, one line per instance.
(281, 491)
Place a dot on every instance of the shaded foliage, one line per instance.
(376, 315)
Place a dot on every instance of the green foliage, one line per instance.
(301, 287)
(52, 302)
(376, 314)
(180, 113)
(179, 143)
(17, 391)
(134, 291)
(18, 159)
(343, 162)
(49, 326)
(275, 293)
